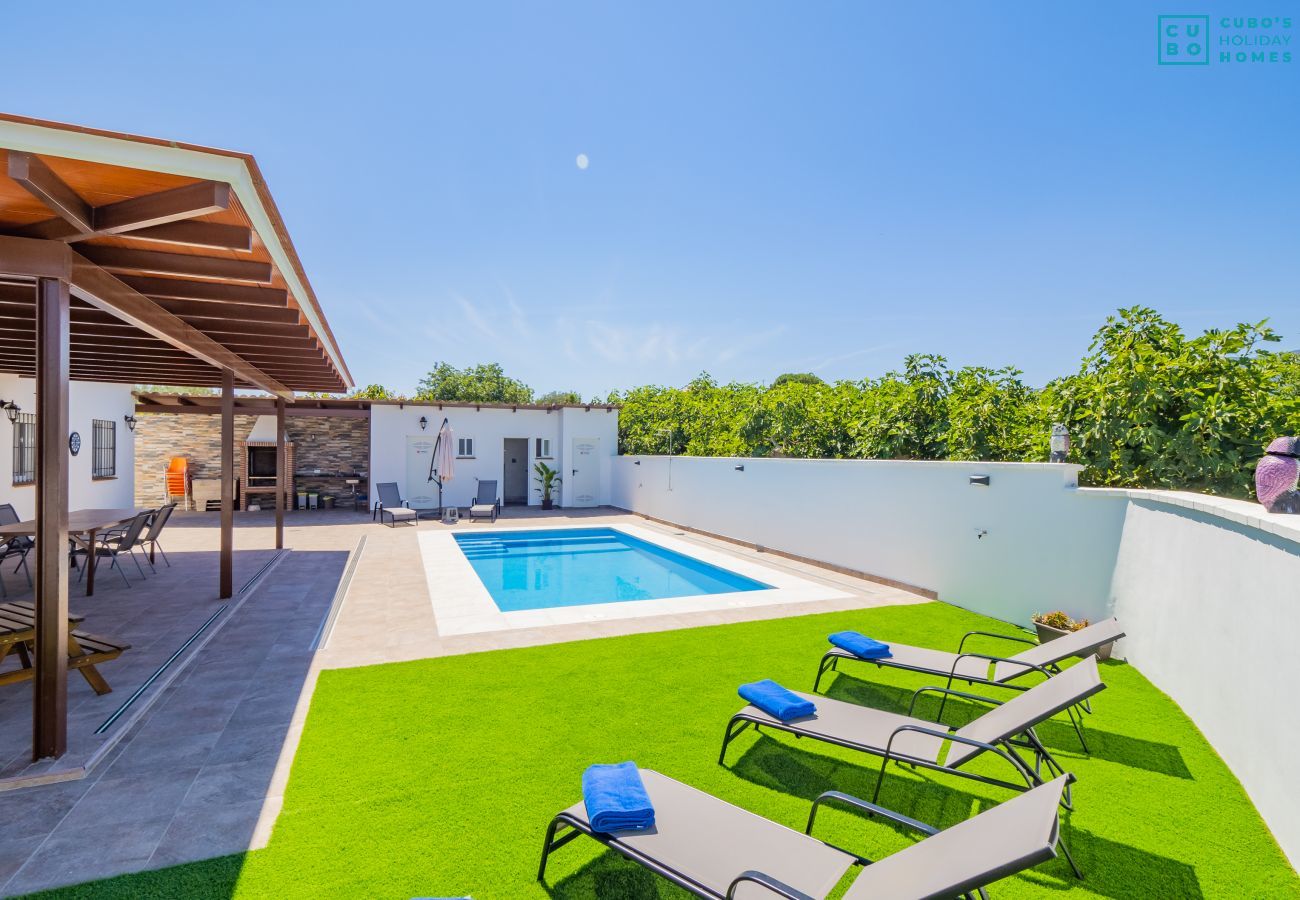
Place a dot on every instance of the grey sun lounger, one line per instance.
(983, 668)
(485, 505)
(391, 505)
(715, 850)
(1006, 726)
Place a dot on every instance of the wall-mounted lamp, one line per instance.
(130, 421)
(980, 480)
(740, 468)
(424, 423)
(636, 462)
(11, 410)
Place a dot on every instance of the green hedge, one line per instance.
(1148, 407)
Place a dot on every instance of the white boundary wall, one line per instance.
(87, 401)
(1208, 589)
(918, 523)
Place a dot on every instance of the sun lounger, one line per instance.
(390, 505)
(715, 850)
(485, 505)
(917, 742)
(982, 668)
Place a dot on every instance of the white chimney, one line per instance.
(263, 429)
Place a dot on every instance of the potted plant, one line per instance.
(547, 478)
(1053, 625)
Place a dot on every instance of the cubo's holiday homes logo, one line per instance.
(1224, 40)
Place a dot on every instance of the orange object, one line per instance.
(178, 477)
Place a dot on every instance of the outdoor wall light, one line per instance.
(636, 462)
(130, 421)
(740, 468)
(980, 480)
(424, 423)
(11, 410)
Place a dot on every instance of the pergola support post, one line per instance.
(280, 479)
(227, 484)
(50, 719)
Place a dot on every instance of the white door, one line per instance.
(584, 472)
(420, 493)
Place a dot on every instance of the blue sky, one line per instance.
(772, 186)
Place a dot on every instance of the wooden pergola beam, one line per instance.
(39, 180)
(33, 258)
(149, 211)
(212, 235)
(214, 309)
(179, 289)
(125, 259)
(199, 199)
(220, 331)
(103, 290)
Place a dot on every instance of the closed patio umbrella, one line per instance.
(444, 458)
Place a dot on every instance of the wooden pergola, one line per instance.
(135, 260)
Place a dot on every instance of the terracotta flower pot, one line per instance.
(1048, 633)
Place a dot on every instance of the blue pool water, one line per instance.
(579, 566)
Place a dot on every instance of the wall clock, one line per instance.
(74, 443)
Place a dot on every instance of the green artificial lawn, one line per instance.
(438, 777)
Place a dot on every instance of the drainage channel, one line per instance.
(158, 673)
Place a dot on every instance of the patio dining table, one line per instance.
(84, 525)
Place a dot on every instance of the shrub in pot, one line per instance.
(1053, 625)
(547, 479)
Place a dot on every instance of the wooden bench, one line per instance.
(85, 651)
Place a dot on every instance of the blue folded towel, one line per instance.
(776, 701)
(616, 799)
(859, 645)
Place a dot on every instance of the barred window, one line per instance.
(103, 460)
(25, 448)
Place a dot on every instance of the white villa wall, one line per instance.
(578, 423)
(87, 400)
(919, 523)
(390, 425)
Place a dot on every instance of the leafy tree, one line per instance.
(1148, 406)
(483, 383)
(797, 378)
(992, 415)
(1152, 407)
(904, 414)
(373, 392)
(560, 397)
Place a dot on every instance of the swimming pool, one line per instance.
(582, 566)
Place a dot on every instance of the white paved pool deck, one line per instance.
(202, 772)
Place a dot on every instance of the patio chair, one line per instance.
(17, 547)
(715, 850)
(985, 669)
(149, 539)
(391, 504)
(485, 504)
(917, 742)
(113, 544)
